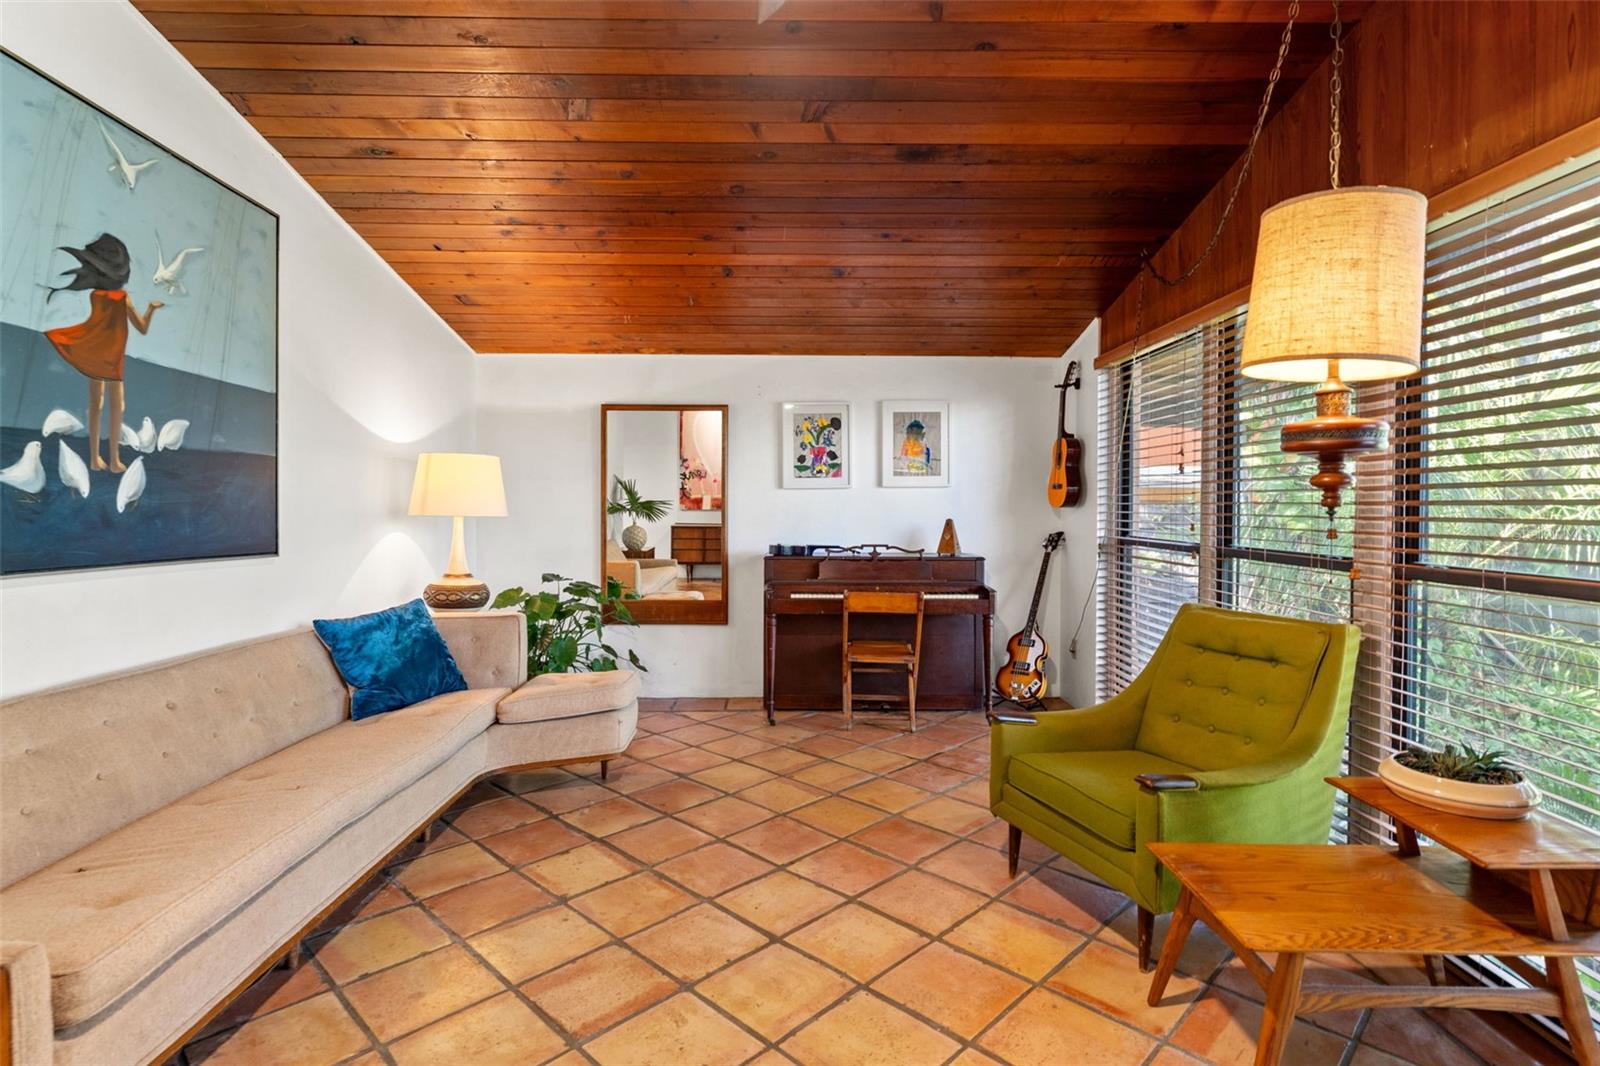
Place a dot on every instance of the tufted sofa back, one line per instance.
(79, 762)
(1227, 688)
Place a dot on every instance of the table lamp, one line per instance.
(457, 486)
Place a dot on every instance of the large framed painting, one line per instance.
(816, 446)
(916, 443)
(138, 345)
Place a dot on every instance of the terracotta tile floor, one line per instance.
(743, 893)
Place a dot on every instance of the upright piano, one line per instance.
(804, 608)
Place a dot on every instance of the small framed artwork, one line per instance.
(816, 446)
(916, 443)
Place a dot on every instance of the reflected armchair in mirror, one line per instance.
(663, 506)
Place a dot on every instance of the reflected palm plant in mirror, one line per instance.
(626, 500)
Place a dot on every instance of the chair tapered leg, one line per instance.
(1013, 848)
(1147, 931)
(911, 697)
(849, 698)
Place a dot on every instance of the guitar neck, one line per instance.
(1038, 594)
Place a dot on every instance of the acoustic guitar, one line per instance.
(1022, 677)
(1066, 456)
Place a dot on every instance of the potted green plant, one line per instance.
(566, 624)
(625, 499)
(1480, 784)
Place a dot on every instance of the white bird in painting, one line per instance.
(171, 437)
(27, 473)
(64, 422)
(166, 274)
(126, 171)
(147, 436)
(74, 475)
(131, 487)
(129, 439)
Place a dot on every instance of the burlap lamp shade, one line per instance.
(1338, 275)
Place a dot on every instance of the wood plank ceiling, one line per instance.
(861, 177)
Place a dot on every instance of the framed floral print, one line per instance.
(816, 446)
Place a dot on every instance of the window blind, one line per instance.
(1150, 472)
(1268, 528)
(1493, 624)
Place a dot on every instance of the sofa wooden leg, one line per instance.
(1147, 930)
(1013, 848)
(605, 768)
(293, 957)
(426, 834)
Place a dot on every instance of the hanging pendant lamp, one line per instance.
(1336, 296)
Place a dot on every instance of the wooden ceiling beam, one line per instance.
(709, 90)
(1200, 157)
(1111, 132)
(1131, 65)
(1076, 12)
(689, 34)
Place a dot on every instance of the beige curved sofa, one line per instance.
(167, 834)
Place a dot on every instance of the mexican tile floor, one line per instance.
(743, 893)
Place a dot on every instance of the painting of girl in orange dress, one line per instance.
(138, 345)
(98, 346)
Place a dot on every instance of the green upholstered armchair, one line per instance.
(1225, 736)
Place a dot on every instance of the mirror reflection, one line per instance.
(665, 476)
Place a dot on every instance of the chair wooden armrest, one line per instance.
(1166, 782)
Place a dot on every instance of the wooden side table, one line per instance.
(1555, 863)
(1297, 900)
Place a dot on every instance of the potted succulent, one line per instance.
(625, 499)
(1479, 784)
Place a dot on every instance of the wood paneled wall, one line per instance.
(1437, 93)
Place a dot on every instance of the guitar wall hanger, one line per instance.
(1073, 379)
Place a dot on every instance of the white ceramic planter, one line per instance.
(1503, 802)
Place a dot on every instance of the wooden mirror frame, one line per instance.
(669, 612)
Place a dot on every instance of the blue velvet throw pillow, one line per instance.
(390, 659)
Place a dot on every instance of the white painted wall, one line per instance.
(1078, 594)
(368, 377)
(541, 414)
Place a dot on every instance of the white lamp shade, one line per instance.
(458, 484)
(1338, 275)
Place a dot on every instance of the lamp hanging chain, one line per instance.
(1146, 263)
(1335, 94)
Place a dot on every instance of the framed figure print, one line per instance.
(816, 446)
(138, 345)
(916, 443)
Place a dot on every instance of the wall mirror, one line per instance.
(664, 509)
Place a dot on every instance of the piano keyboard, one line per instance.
(925, 596)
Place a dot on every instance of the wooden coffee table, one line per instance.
(1297, 900)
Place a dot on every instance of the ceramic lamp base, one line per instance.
(463, 593)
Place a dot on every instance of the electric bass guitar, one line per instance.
(1022, 677)
(1066, 455)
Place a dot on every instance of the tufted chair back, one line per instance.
(1227, 688)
